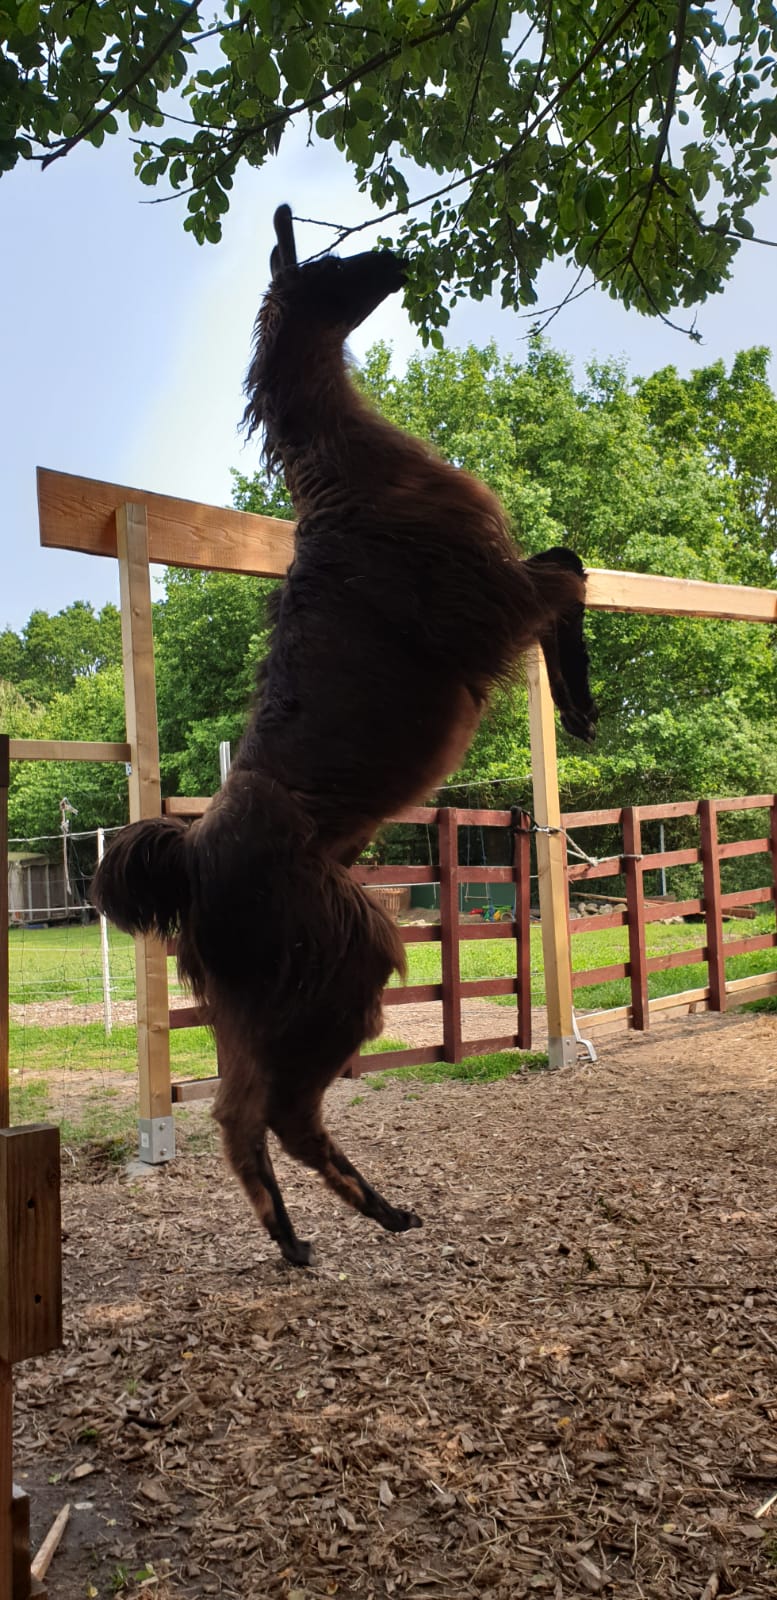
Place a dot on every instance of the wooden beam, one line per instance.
(180, 806)
(678, 597)
(145, 800)
(80, 514)
(551, 864)
(68, 750)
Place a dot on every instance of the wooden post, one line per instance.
(449, 934)
(713, 912)
(156, 1128)
(635, 905)
(30, 1313)
(522, 871)
(5, 1102)
(773, 846)
(551, 868)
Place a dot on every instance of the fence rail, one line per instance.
(633, 863)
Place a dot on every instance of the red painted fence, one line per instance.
(632, 863)
(638, 910)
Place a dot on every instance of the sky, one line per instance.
(124, 343)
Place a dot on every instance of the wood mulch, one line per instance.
(565, 1384)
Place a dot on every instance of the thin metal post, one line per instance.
(225, 759)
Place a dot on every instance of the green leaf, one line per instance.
(296, 65)
(267, 78)
(28, 16)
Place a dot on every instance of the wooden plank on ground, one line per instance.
(79, 514)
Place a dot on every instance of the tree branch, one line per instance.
(666, 122)
(89, 127)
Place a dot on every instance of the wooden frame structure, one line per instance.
(137, 528)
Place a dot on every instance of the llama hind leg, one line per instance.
(302, 1133)
(246, 1148)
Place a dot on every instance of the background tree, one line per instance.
(656, 475)
(632, 140)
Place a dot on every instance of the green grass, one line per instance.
(84, 1047)
(496, 958)
(475, 1069)
(64, 962)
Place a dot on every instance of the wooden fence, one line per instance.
(449, 933)
(632, 862)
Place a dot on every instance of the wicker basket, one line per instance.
(391, 896)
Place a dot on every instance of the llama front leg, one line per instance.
(303, 1135)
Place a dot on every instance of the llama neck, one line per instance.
(316, 424)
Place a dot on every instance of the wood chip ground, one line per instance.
(564, 1385)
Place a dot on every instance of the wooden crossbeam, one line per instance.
(68, 750)
(80, 514)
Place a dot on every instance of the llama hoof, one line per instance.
(299, 1254)
(406, 1220)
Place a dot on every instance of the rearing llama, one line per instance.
(405, 604)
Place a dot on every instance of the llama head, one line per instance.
(309, 308)
(330, 293)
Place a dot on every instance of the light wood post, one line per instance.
(156, 1129)
(551, 864)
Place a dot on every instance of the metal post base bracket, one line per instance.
(156, 1140)
(562, 1052)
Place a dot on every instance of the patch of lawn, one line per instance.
(602, 947)
(475, 1069)
(85, 1047)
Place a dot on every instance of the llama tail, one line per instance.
(142, 883)
(559, 576)
(281, 928)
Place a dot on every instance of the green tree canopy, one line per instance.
(52, 652)
(665, 474)
(632, 140)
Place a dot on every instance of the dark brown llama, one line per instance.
(405, 604)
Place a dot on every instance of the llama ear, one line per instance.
(275, 261)
(284, 233)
